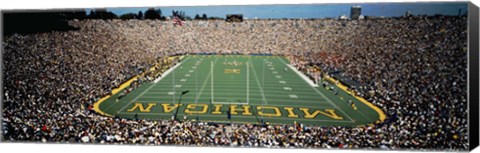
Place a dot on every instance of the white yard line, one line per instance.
(258, 83)
(230, 89)
(155, 82)
(170, 70)
(303, 76)
(211, 81)
(267, 84)
(331, 102)
(138, 96)
(312, 103)
(248, 83)
(325, 97)
(204, 82)
(227, 103)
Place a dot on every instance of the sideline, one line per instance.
(96, 105)
(169, 70)
(320, 93)
(303, 76)
(381, 114)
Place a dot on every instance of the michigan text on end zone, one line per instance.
(245, 110)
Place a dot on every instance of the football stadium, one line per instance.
(153, 78)
(233, 88)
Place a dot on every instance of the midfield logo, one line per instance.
(231, 71)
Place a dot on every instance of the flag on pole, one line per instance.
(177, 21)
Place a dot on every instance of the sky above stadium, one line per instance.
(310, 10)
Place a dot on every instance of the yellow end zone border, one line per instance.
(381, 114)
(96, 105)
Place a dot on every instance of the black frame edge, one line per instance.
(1, 74)
(473, 68)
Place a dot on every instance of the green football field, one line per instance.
(239, 89)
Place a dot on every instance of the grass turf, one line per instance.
(252, 88)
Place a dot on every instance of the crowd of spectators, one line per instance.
(415, 71)
(413, 68)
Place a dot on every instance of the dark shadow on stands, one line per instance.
(42, 21)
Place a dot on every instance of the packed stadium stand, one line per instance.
(413, 68)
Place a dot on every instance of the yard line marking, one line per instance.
(287, 88)
(332, 103)
(321, 94)
(279, 77)
(183, 80)
(365, 117)
(282, 82)
(138, 96)
(236, 103)
(238, 91)
(170, 70)
(258, 83)
(187, 75)
(300, 74)
(279, 95)
(293, 96)
(229, 88)
(238, 83)
(211, 80)
(248, 83)
(141, 94)
(178, 86)
(169, 93)
(277, 103)
(204, 82)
